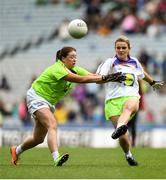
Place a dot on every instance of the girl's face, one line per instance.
(122, 50)
(70, 59)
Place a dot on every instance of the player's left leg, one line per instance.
(14, 156)
(125, 144)
(38, 136)
(132, 129)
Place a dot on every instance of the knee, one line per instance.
(52, 125)
(133, 108)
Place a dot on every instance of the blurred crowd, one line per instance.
(103, 17)
(129, 16)
(85, 103)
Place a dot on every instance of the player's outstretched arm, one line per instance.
(155, 84)
(94, 78)
(91, 78)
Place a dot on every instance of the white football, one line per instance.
(77, 28)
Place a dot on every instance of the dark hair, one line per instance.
(64, 52)
(58, 54)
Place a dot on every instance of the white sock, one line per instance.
(55, 155)
(119, 124)
(19, 150)
(128, 154)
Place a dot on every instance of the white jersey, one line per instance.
(131, 68)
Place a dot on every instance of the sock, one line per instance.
(55, 155)
(119, 124)
(128, 154)
(19, 150)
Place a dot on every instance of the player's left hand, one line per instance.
(157, 84)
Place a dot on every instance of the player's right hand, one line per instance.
(115, 77)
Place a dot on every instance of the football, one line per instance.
(77, 28)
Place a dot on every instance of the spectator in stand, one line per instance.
(73, 3)
(3, 110)
(93, 14)
(151, 7)
(91, 93)
(163, 90)
(144, 57)
(79, 94)
(1, 120)
(23, 113)
(164, 68)
(4, 83)
(163, 112)
(61, 113)
(129, 23)
(88, 109)
(154, 29)
(63, 30)
(162, 8)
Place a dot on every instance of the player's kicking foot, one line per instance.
(131, 161)
(14, 155)
(119, 131)
(62, 159)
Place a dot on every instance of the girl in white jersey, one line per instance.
(122, 99)
(47, 90)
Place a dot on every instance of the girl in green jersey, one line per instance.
(48, 89)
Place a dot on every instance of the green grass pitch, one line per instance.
(85, 163)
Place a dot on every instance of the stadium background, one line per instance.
(31, 31)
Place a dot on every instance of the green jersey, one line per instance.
(50, 84)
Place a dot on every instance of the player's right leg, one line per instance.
(130, 107)
(119, 131)
(61, 159)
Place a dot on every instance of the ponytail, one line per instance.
(58, 55)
